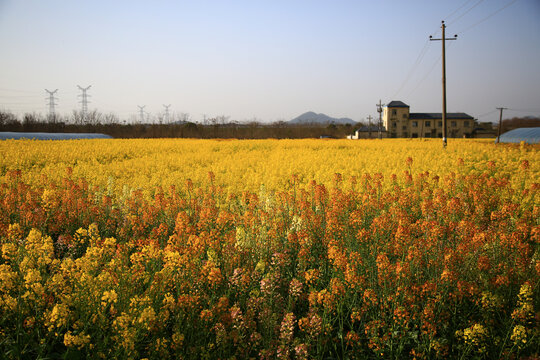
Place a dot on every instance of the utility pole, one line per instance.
(443, 40)
(379, 110)
(84, 100)
(141, 112)
(369, 125)
(166, 113)
(51, 103)
(500, 123)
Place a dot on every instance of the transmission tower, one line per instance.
(51, 103)
(141, 112)
(379, 110)
(84, 100)
(166, 116)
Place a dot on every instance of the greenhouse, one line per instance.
(51, 136)
(528, 135)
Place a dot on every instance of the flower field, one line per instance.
(305, 249)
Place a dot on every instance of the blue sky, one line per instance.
(270, 60)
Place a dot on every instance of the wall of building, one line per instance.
(456, 128)
(396, 121)
(399, 125)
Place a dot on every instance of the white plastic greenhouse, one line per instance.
(528, 135)
(51, 136)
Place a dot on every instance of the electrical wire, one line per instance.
(455, 11)
(530, 110)
(423, 53)
(419, 59)
(19, 96)
(428, 73)
(19, 91)
(487, 114)
(413, 68)
(487, 17)
(425, 76)
(466, 12)
(536, 112)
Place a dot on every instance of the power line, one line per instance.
(19, 91)
(428, 73)
(425, 76)
(22, 102)
(488, 17)
(419, 59)
(413, 68)
(526, 110)
(488, 113)
(530, 112)
(455, 11)
(19, 96)
(466, 12)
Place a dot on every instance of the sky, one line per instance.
(269, 60)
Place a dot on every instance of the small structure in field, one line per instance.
(367, 132)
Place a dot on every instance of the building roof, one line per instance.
(395, 103)
(437, 116)
(528, 135)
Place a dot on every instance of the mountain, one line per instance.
(312, 118)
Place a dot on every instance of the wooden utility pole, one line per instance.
(500, 123)
(379, 110)
(369, 125)
(443, 40)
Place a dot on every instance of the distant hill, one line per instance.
(312, 118)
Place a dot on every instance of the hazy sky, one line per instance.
(270, 60)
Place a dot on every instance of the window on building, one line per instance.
(394, 124)
(405, 116)
(439, 123)
(428, 123)
(466, 123)
(428, 135)
(404, 127)
(405, 134)
(394, 112)
(453, 124)
(439, 135)
(414, 135)
(415, 124)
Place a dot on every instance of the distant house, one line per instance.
(367, 132)
(484, 130)
(400, 123)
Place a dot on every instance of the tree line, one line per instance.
(519, 122)
(179, 127)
